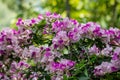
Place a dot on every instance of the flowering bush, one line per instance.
(50, 47)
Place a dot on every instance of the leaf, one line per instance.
(65, 77)
(86, 72)
(65, 51)
(84, 78)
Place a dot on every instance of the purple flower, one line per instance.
(114, 69)
(115, 56)
(19, 22)
(68, 63)
(47, 54)
(105, 67)
(48, 13)
(94, 50)
(23, 64)
(34, 51)
(74, 34)
(33, 21)
(40, 17)
(2, 52)
(107, 51)
(1, 38)
(57, 26)
(48, 49)
(74, 21)
(61, 39)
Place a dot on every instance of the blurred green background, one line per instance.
(104, 12)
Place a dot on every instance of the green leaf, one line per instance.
(86, 72)
(84, 78)
(65, 77)
(65, 51)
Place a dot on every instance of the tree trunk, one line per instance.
(67, 8)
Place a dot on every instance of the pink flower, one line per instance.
(115, 56)
(94, 50)
(107, 51)
(57, 26)
(19, 22)
(40, 17)
(61, 39)
(104, 68)
(48, 13)
(34, 52)
(68, 63)
(57, 66)
(74, 34)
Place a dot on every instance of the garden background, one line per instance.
(104, 12)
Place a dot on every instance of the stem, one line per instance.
(114, 14)
(67, 8)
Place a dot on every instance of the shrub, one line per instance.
(50, 47)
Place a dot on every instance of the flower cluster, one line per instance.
(23, 57)
(109, 67)
(61, 68)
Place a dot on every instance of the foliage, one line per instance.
(105, 12)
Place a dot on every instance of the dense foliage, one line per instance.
(105, 12)
(50, 47)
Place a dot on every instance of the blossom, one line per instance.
(4, 76)
(34, 52)
(69, 64)
(74, 34)
(107, 51)
(104, 68)
(61, 39)
(63, 65)
(19, 22)
(94, 50)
